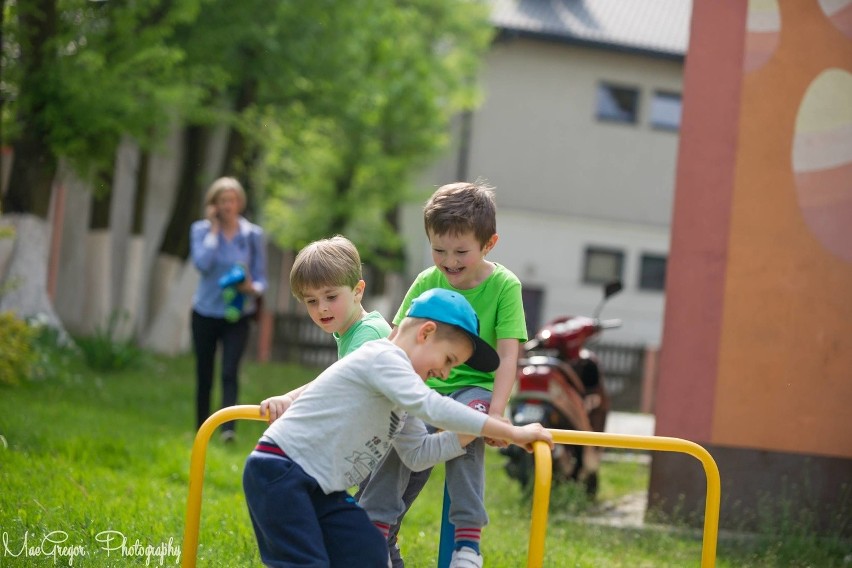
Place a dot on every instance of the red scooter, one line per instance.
(560, 385)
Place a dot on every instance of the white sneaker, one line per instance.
(466, 557)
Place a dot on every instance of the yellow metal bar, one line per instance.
(189, 551)
(541, 501)
(541, 491)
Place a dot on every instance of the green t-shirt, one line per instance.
(371, 326)
(498, 304)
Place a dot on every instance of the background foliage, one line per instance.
(332, 107)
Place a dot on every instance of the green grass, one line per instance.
(86, 452)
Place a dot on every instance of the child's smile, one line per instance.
(461, 258)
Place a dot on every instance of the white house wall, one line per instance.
(564, 179)
(538, 140)
(545, 250)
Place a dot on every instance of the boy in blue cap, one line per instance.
(461, 223)
(340, 425)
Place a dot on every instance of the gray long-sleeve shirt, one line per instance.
(341, 426)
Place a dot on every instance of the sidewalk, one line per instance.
(630, 423)
(629, 510)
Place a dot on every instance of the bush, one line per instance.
(17, 352)
(103, 352)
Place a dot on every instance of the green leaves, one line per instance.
(374, 95)
(337, 105)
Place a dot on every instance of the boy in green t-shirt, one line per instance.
(460, 222)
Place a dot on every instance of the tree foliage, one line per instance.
(332, 105)
(79, 74)
(366, 116)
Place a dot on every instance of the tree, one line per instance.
(73, 84)
(367, 114)
(329, 105)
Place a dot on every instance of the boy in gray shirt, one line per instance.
(339, 426)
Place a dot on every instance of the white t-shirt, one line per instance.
(342, 425)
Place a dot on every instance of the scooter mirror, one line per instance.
(612, 288)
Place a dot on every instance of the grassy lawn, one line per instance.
(92, 460)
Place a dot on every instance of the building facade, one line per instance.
(578, 133)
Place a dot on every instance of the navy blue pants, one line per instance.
(296, 524)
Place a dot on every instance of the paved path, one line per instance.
(629, 510)
(630, 423)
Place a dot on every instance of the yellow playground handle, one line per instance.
(541, 488)
(544, 472)
(189, 550)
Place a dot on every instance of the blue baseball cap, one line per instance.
(446, 306)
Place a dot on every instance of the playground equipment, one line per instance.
(544, 473)
(189, 550)
(541, 488)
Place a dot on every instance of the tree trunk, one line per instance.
(31, 178)
(239, 159)
(189, 196)
(24, 288)
(71, 284)
(126, 252)
(34, 167)
(98, 268)
(174, 278)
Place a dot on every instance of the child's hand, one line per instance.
(276, 406)
(526, 435)
(495, 442)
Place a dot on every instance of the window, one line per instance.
(665, 111)
(617, 104)
(533, 299)
(652, 272)
(602, 265)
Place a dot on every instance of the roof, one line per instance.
(653, 27)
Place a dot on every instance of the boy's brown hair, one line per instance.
(443, 331)
(326, 262)
(463, 207)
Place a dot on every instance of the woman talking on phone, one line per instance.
(230, 255)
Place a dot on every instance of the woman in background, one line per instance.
(230, 255)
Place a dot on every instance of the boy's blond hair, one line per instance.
(326, 262)
(458, 208)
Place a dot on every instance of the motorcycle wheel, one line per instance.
(520, 465)
(592, 486)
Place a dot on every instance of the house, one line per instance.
(578, 133)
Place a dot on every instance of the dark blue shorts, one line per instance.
(296, 524)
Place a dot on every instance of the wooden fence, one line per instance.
(623, 367)
(297, 339)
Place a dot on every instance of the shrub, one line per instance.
(103, 352)
(17, 353)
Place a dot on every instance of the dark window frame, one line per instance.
(614, 91)
(651, 282)
(619, 255)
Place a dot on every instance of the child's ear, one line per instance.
(359, 289)
(426, 330)
(490, 244)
